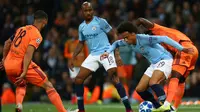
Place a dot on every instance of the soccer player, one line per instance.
(183, 62)
(17, 54)
(160, 59)
(94, 31)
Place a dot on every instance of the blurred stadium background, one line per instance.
(64, 19)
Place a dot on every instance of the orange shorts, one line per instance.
(184, 62)
(34, 74)
(125, 71)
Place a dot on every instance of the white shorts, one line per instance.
(74, 73)
(93, 62)
(163, 65)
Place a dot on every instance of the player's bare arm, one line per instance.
(6, 49)
(146, 23)
(114, 37)
(78, 49)
(26, 62)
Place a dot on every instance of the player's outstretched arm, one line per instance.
(165, 39)
(173, 43)
(116, 44)
(146, 23)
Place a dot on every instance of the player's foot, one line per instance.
(162, 109)
(18, 108)
(69, 110)
(172, 109)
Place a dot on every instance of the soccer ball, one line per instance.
(145, 106)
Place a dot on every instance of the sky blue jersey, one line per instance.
(149, 47)
(95, 34)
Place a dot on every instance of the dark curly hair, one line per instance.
(127, 26)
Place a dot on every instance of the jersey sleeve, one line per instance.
(151, 39)
(104, 25)
(80, 34)
(155, 27)
(35, 40)
(116, 44)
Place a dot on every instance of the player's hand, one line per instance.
(188, 50)
(20, 79)
(104, 55)
(118, 60)
(71, 64)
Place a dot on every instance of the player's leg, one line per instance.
(90, 64)
(142, 89)
(157, 77)
(110, 66)
(179, 94)
(37, 77)
(79, 88)
(20, 89)
(20, 94)
(161, 72)
(182, 64)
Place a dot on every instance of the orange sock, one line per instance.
(172, 88)
(55, 99)
(166, 89)
(179, 94)
(95, 94)
(85, 96)
(137, 97)
(20, 93)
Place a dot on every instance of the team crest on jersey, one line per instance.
(94, 28)
(38, 40)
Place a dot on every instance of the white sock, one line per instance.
(19, 106)
(166, 103)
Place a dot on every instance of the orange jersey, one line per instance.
(70, 47)
(171, 33)
(24, 36)
(180, 58)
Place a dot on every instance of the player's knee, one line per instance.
(176, 74)
(78, 80)
(112, 72)
(139, 89)
(153, 81)
(115, 80)
(47, 85)
(182, 80)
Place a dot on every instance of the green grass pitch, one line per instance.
(45, 107)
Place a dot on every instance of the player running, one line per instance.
(160, 59)
(182, 65)
(17, 55)
(94, 31)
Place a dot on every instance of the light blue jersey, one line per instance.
(149, 47)
(94, 33)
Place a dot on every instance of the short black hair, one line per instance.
(127, 26)
(40, 14)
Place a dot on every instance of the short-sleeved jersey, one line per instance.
(171, 33)
(24, 36)
(95, 34)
